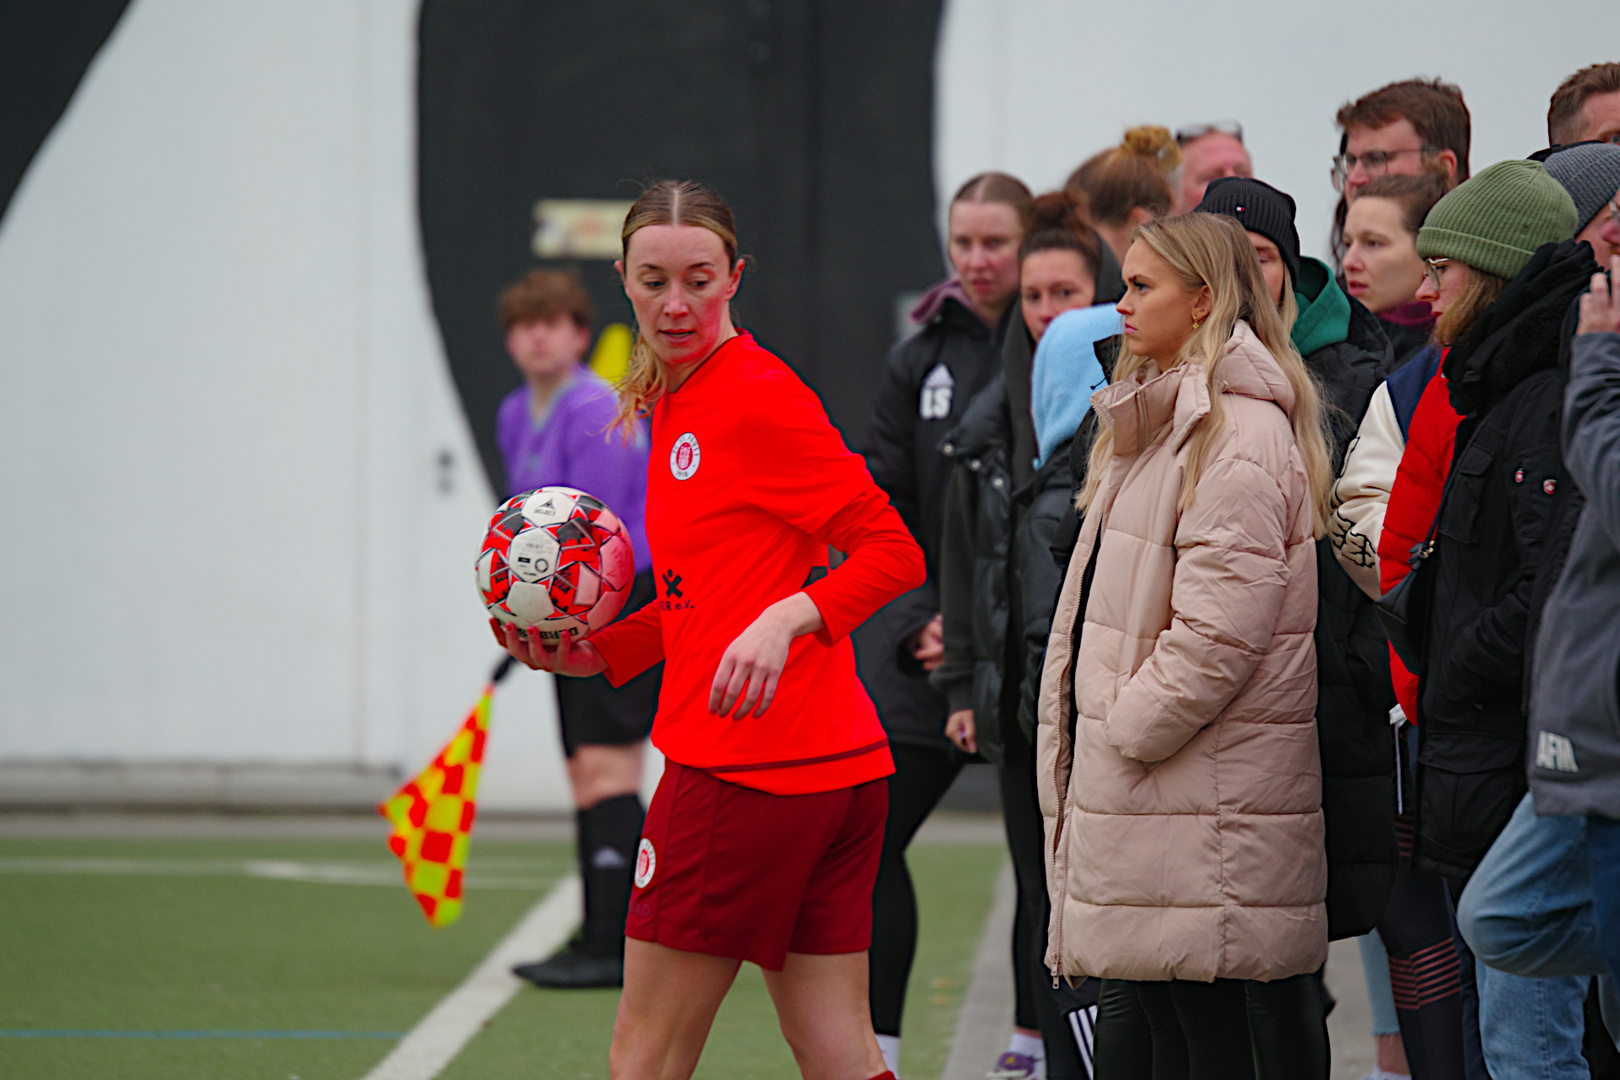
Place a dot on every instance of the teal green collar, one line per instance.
(1324, 310)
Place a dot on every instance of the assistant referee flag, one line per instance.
(433, 816)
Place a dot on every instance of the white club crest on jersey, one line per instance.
(934, 403)
(685, 456)
(646, 863)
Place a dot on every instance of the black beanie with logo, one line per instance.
(1259, 208)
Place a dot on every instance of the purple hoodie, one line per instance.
(572, 446)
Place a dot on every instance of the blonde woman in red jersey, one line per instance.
(763, 840)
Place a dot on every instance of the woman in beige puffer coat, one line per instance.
(1177, 759)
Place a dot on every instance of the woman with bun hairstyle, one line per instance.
(1127, 185)
(1177, 757)
(927, 383)
(762, 841)
(989, 598)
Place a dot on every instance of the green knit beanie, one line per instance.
(1495, 221)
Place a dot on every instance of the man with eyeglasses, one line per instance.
(1404, 129)
(1208, 152)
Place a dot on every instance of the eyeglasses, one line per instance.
(1219, 127)
(1431, 269)
(1374, 163)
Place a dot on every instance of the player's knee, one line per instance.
(597, 773)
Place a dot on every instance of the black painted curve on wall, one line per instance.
(45, 49)
(813, 119)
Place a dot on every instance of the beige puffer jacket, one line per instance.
(1186, 840)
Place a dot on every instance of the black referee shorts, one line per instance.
(595, 713)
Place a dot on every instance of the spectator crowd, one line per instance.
(1282, 593)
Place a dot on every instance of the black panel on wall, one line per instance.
(45, 49)
(813, 119)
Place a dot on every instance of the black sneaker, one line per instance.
(577, 967)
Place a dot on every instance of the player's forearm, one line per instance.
(796, 615)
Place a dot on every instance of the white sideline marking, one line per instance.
(383, 873)
(439, 1036)
(986, 1019)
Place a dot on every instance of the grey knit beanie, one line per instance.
(1495, 221)
(1590, 172)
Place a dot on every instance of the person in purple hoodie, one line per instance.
(554, 430)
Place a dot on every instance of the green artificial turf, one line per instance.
(191, 944)
(566, 1033)
(182, 950)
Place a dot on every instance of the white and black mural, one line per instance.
(249, 260)
(813, 119)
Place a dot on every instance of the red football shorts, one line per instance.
(730, 871)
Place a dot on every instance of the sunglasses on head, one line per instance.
(1219, 127)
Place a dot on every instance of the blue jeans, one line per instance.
(1528, 916)
(1375, 966)
(1603, 849)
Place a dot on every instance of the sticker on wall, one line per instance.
(579, 228)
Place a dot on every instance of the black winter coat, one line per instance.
(1352, 662)
(978, 604)
(1047, 530)
(1494, 520)
(927, 384)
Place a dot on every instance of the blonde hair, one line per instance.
(1478, 293)
(1213, 250)
(665, 202)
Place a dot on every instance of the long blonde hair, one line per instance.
(1213, 250)
(665, 202)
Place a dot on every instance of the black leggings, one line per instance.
(1284, 1028)
(1173, 1031)
(922, 775)
(1036, 1005)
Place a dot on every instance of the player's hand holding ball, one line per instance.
(564, 656)
(556, 566)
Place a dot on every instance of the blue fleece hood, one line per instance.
(1066, 373)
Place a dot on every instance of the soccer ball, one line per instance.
(557, 559)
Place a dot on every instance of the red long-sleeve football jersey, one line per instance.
(748, 483)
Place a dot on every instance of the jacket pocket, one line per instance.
(1468, 787)
(1461, 511)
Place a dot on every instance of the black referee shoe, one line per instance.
(579, 966)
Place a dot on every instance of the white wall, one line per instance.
(1036, 86)
(222, 404)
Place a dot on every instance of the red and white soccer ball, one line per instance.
(557, 559)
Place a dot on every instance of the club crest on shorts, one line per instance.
(685, 456)
(646, 862)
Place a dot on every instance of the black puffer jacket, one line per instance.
(1047, 531)
(978, 534)
(1495, 519)
(930, 378)
(1352, 662)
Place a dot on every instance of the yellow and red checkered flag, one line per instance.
(433, 815)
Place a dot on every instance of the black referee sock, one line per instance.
(609, 833)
